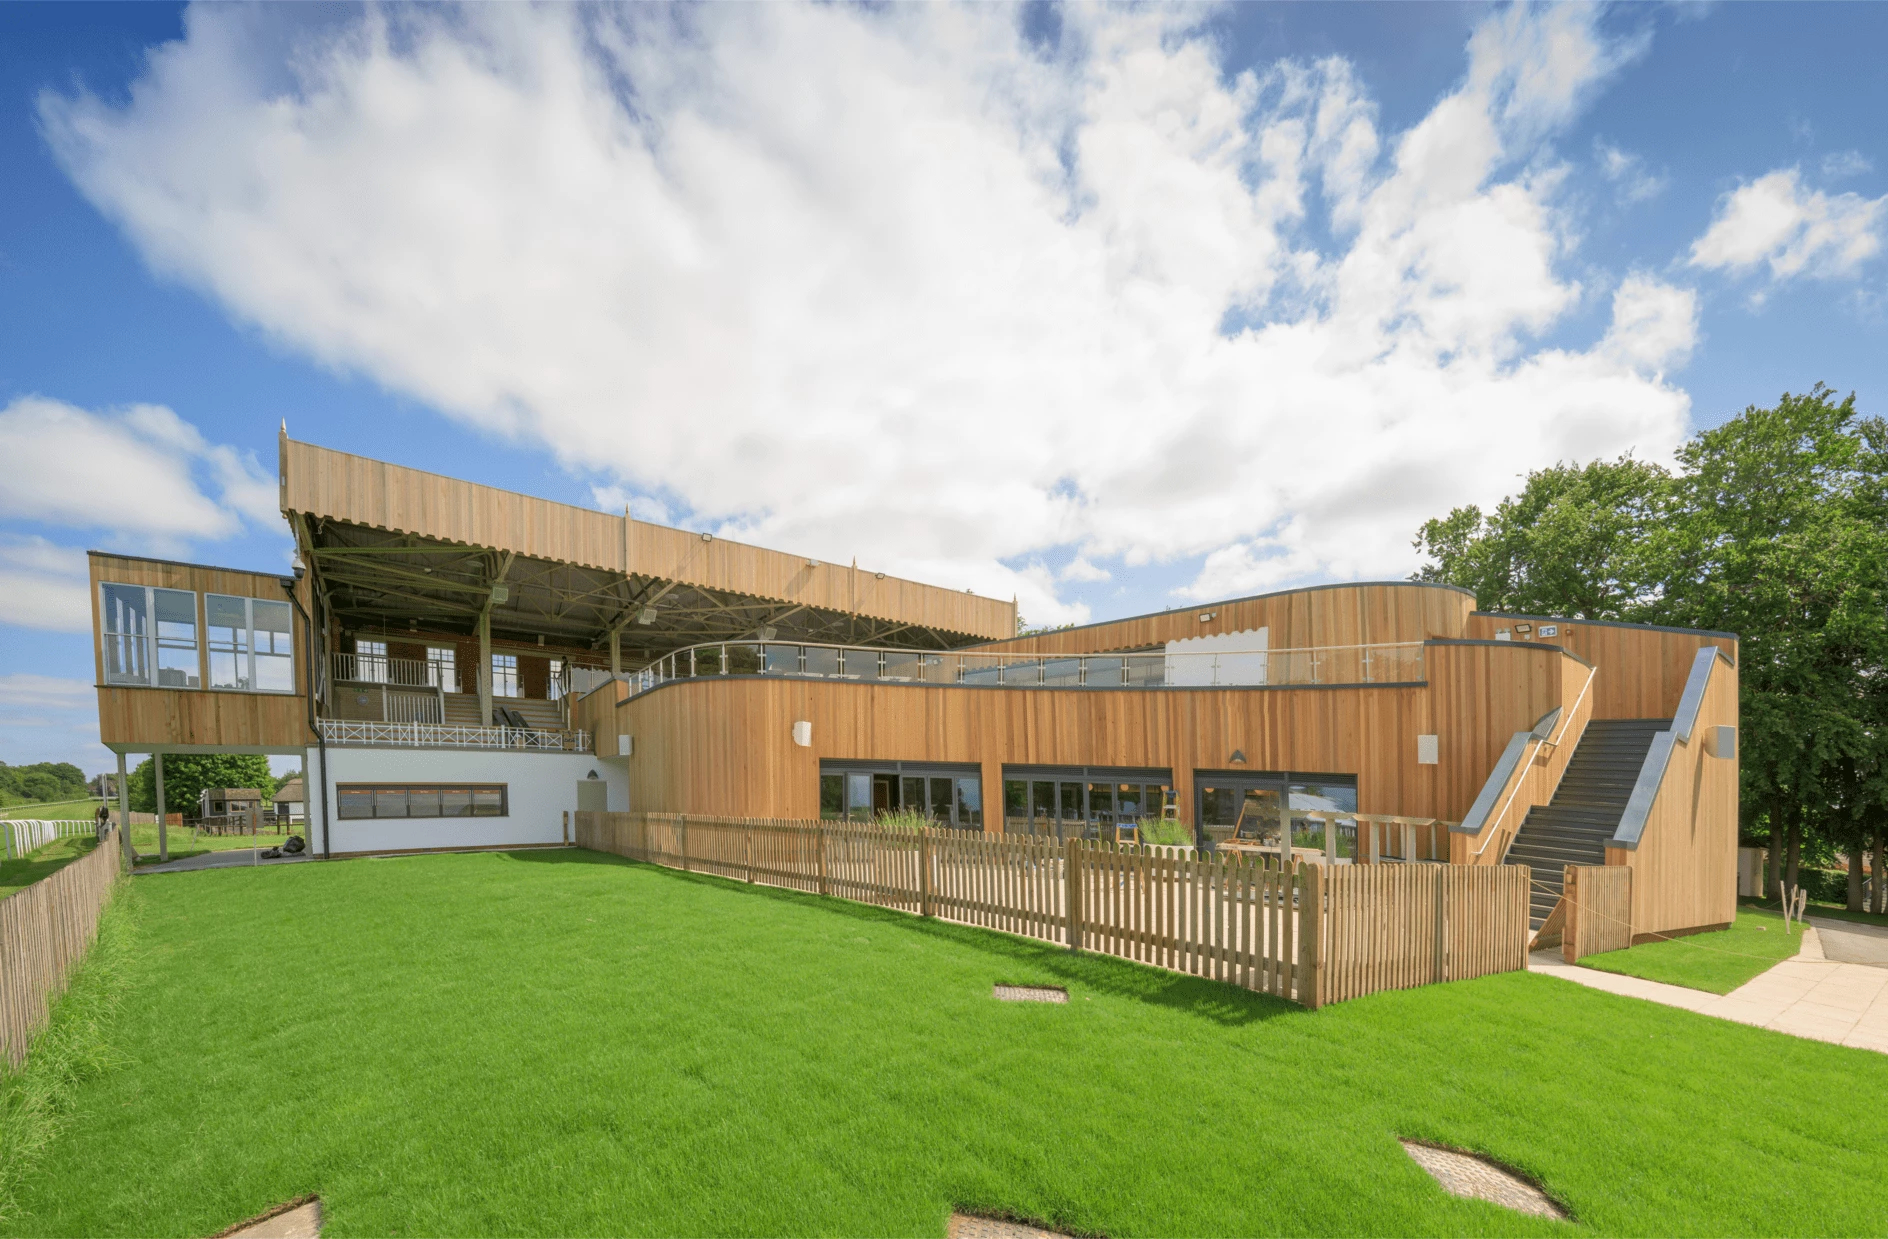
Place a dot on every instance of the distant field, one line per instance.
(64, 810)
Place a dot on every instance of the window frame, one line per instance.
(151, 643)
(252, 658)
(373, 793)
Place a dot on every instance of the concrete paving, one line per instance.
(1852, 943)
(220, 860)
(1806, 996)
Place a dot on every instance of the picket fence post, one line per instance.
(684, 832)
(924, 871)
(1311, 946)
(819, 839)
(1072, 896)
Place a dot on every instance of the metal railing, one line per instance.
(1399, 662)
(424, 736)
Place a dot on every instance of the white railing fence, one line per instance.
(424, 736)
(27, 834)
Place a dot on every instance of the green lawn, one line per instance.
(22, 872)
(560, 1043)
(144, 839)
(1834, 911)
(1716, 962)
(65, 810)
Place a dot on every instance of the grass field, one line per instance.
(1834, 911)
(65, 810)
(563, 1043)
(1716, 962)
(22, 872)
(144, 839)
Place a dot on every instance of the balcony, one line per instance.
(1332, 666)
(378, 700)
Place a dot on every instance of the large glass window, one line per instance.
(397, 800)
(1249, 809)
(554, 685)
(179, 658)
(505, 675)
(251, 644)
(942, 794)
(1083, 802)
(125, 612)
(370, 661)
(151, 636)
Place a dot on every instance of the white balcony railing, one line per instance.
(425, 736)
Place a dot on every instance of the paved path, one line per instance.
(1852, 942)
(1806, 996)
(220, 860)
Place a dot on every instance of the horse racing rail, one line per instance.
(1312, 933)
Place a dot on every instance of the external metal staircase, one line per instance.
(1586, 808)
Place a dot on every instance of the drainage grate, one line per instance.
(1477, 1178)
(1031, 993)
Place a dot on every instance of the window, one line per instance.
(1081, 802)
(394, 800)
(554, 686)
(861, 791)
(150, 636)
(125, 612)
(252, 644)
(442, 670)
(370, 661)
(504, 675)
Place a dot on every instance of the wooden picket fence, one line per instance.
(45, 931)
(1598, 910)
(1310, 933)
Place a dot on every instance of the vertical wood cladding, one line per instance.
(724, 745)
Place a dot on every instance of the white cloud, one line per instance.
(1632, 182)
(49, 718)
(43, 585)
(1080, 569)
(1655, 325)
(899, 283)
(1839, 164)
(1775, 222)
(131, 472)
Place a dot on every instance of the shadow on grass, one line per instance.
(17, 875)
(1217, 1001)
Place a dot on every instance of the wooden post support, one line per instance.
(484, 669)
(924, 872)
(684, 833)
(1284, 830)
(163, 839)
(1072, 894)
(1570, 923)
(616, 651)
(1376, 844)
(567, 826)
(1310, 939)
(124, 815)
(819, 839)
(747, 846)
(1330, 840)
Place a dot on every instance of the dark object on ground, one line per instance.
(294, 845)
(270, 854)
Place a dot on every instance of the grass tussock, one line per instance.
(36, 1100)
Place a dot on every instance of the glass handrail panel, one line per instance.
(822, 660)
(780, 659)
(1062, 672)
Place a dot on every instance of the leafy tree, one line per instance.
(41, 782)
(1570, 544)
(1775, 527)
(187, 774)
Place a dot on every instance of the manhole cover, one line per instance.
(1477, 1178)
(297, 1219)
(970, 1226)
(1031, 993)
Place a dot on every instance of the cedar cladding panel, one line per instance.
(1321, 616)
(724, 746)
(322, 483)
(1684, 871)
(1641, 670)
(200, 717)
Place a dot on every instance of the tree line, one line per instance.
(187, 774)
(40, 783)
(1772, 526)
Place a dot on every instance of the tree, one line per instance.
(40, 782)
(1570, 544)
(187, 774)
(1774, 527)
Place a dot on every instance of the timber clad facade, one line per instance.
(440, 635)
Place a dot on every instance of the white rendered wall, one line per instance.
(540, 789)
(1222, 658)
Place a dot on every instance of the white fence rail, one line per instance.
(27, 834)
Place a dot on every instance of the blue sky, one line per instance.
(1105, 310)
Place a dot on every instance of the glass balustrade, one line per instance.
(1346, 665)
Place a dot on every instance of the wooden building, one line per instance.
(458, 666)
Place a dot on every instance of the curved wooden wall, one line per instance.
(318, 482)
(723, 745)
(1363, 614)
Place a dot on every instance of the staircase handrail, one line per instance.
(1645, 788)
(1512, 760)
